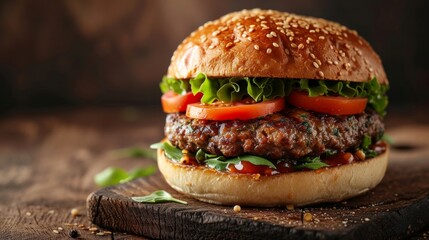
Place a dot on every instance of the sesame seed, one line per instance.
(287, 51)
(264, 22)
(275, 44)
(269, 35)
(256, 47)
(229, 44)
(336, 62)
(244, 35)
(274, 34)
(251, 30)
(331, 47)
(319, 62)
(224, 29)
(300, 46)
(269, 50)
(321, 74)
(330, 62)
(211, 47)
(312, 56)
(252, 26)
(261, 17)
(293, 45)
(321, 37)
(315, 65)
(367, 219)
(291, 38)
(55, 231)
(249, 38)
(347, 46)
(312, 31)
(215, 33)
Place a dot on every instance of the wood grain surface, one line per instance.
(48, 161)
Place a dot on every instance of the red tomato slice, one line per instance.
(250, 168)
(328, 104)
(173, 102)
(232, 111)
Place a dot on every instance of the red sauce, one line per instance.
(339, 159)
(247, 167)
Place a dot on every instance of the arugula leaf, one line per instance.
(366, 142)
(387, 138)
(159, 196)
(260, 89)
(139, 172)
(170, 151)
(110, 176)
(311, 163)
(113, 175)
(221, 163)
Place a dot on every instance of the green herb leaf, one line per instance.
(110, 176)
(170, 151)
(159, 196)
(113, 175)
(311, 163)
(366, 142)
(139, 172)
(387, 138)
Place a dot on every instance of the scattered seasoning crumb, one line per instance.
(367, 219)
(255, 218)
(60, 229)
(237, 208)
(81, 225)
(290, 207)
(74, 212)
(28, 213)
(74, 233)
(55, 231)
(308, 217)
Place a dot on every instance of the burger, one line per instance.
(266, 108)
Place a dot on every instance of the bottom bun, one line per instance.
(297, 188)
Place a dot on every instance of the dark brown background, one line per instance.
(80, 53)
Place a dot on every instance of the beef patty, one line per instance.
(290, 134)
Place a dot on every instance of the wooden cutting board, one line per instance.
(398, 207)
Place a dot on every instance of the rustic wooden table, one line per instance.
(48, 161)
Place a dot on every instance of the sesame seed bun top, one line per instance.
(267, 43)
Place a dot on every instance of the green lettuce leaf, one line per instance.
(311, 163)
(261, 89)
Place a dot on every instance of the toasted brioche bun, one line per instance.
(266, 43)
(297, 188)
